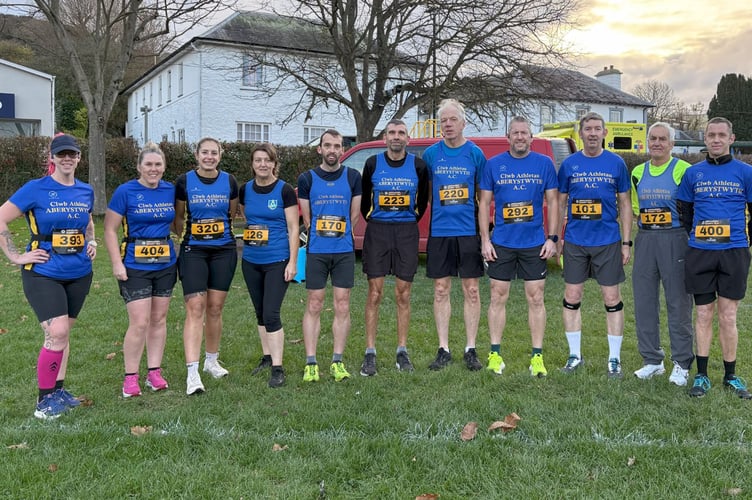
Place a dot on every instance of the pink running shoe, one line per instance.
(155, 381)
(131, 387)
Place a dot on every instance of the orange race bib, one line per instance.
(454, 194)
(518, 211)
(151, 251)
(656, 218)
(208, 229)
(583, 209)
(331, 226)
(67, 241)
(256, 235)
(394, 201)
(713, 231)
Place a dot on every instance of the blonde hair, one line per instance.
(150, 147)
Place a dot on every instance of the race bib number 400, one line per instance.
(587, 209)
(518, 211)
(394, 201)
(67, 241)
(256, 235)
(454, 194)
(331, 226)
(713, 231)
(207, 229)
(151, 251)
(656, 218)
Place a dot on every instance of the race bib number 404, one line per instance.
(151, 251)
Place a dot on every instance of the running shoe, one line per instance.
(67, 398)
(443, 358)
(537, 368)
(368, 368)
(471, 360)
(214, 369)
(649, 371)
(678, 375)
(311, 373)
(266, 362)
(495, 363)
(155, 381)
(278, 377)
(338, 371)
(50, 407)
(403, 362)
(613, 370)
(573, 364)
(700, 386)
(131, 388)
(193, 384)
(737, 385)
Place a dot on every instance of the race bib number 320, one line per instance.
(207, 229)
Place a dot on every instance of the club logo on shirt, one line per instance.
(52, 194)
(139, 197)
(271, 204)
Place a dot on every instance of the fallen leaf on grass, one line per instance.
(296, 341)
(427, 496)
(3, 331)
(140, 430)
(96, 285)
(52, 468)
(19, 446)
(509, 423)
(469, 431)
(630, 461)
(85, 402)
(734, 491)
(24, 317)
(117, 343)
(277, 447)
(110, 356)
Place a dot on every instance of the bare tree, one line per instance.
(666, 105)
(97, 38)
(393, 55)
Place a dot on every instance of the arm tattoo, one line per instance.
(9, 243)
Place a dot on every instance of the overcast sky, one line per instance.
(688, 44)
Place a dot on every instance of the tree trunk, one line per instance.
(97, 165)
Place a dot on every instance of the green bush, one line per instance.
(25, 158)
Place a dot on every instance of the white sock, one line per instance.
(211, 357)
(574, 339)
(614, 346)
(468, 347)
(192, 368)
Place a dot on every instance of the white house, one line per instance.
(27, 101)
(210, 86)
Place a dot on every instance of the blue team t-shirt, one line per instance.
(592, 208)
(454, 174)
(51, 207)
(519, 186)
(720, 194)
(147, 214)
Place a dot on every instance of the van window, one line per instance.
(561, 150)
(623, 143)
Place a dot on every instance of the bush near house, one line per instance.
(25, 158)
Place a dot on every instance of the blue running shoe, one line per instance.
(700, 386)
(67, 398)
(738, 386)
(50, 407)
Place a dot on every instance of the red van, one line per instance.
(555, 148)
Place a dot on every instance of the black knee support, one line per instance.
(612, 309)
(571, 307)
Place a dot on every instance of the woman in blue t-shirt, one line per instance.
(143, 262)
(270, 252)
(56, 267)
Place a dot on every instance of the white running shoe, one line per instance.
(215, 369)
(679, 375)
(193, 384)
(649, 371)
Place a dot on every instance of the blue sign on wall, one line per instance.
(7, 105)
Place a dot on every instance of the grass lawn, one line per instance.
(395, 435)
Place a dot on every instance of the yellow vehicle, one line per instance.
(621, 137)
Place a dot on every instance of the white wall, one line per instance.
(34, 96)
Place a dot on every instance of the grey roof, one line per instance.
(559, 84)
(273, 31)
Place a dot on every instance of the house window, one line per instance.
(546, 114)
(151, 94)
(312, 133)
(181, 135)
(615, 115)
(253, 132)
(164, 138)
(581, 111)
(253, 72)
(169, 85)
(143, 97)
(180, 79)
(159, 103)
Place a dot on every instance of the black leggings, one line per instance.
(267, 287)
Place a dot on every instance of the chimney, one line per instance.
(610, 76)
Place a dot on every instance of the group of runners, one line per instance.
(692, 239)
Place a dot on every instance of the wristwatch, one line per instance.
(627, 243)
(553, 237)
